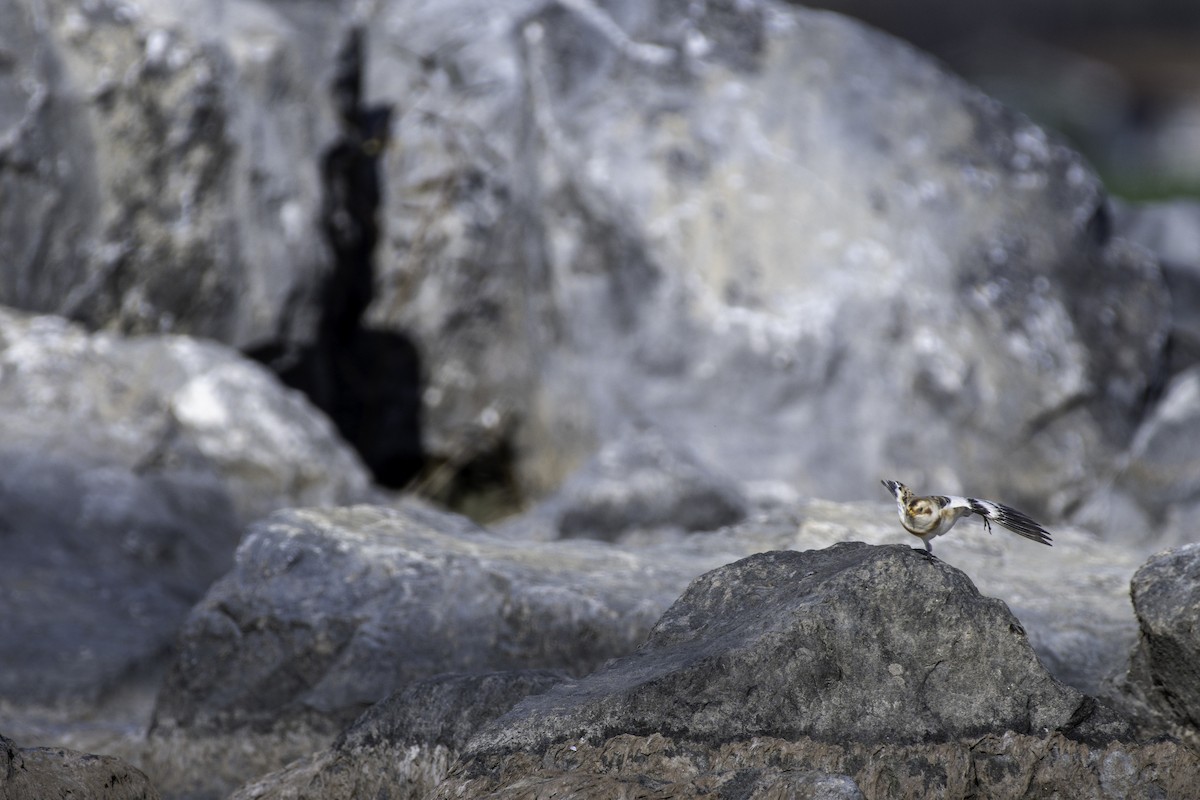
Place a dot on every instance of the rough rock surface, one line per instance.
(991, 767)
(398, 750)
(1081, 631)
(42, 773)
(328, 611)
(131, 467)
(641, 481)
(876, 666)
(315, 615)
(851, 643)
(283, 662)
(405, 744)
(159, 165)
(1164, 672)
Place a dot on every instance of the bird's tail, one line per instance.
(1011, 519)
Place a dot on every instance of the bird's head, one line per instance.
(899, 491)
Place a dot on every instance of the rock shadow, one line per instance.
(367, 381)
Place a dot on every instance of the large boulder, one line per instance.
(761, 228)
(131, 467)
(1164, 676)
(328, 611)
(878, 663)
(919, 686)
(851, 643)
(793, 243)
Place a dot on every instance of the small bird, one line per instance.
(930, 517)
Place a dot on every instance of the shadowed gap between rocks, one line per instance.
(369, 381)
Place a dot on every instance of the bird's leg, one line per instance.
(987, 523)
(929, 549)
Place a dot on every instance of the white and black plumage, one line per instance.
(930, 517)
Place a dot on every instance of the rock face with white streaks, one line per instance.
(794, 244)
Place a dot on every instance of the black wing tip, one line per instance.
(1009, 518)
(1023, 525)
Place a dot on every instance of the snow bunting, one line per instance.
(930, 517)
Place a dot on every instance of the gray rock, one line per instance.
(1081, 631)
(852, 643)
(1163, 672)
(1171, 230)
(709, 707)
(446, 709)
(131, 467)
(528, 602)
(641, 481)
(100, 567)
(159, 166)
(1154, 488)
(405, 744)
(327, 612)
(325, 583)
(41, 773)
(793, 244)
(735, 222)
(1163, 467)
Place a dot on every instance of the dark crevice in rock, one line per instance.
(367, 381)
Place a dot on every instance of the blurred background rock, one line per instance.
(1120, 79)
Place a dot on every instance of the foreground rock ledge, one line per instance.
(851, 643)
(997, 766)
(846, 672)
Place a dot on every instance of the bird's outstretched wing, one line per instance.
(1004, 516)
